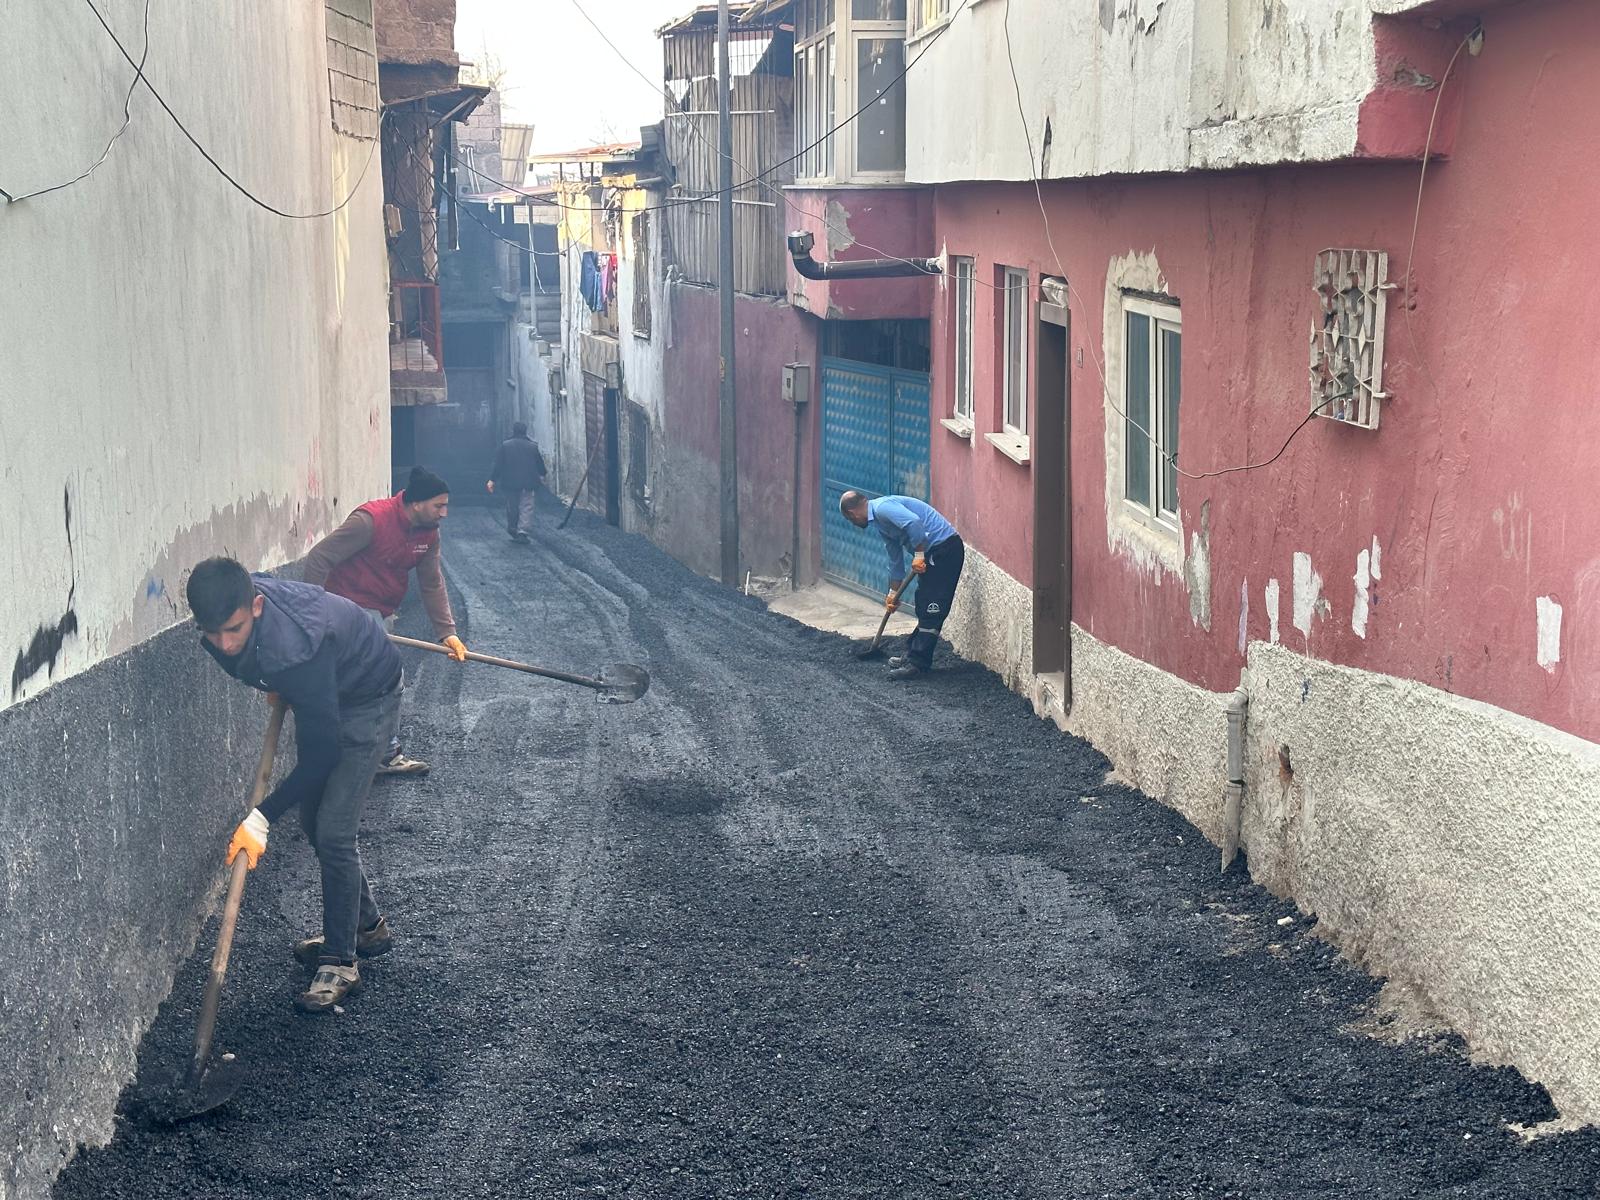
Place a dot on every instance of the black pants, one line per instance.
(936, 591)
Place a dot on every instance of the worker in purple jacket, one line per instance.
(339, 674)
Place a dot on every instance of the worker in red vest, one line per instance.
(369, 559)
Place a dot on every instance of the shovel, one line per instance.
(620, 683)
(205, 1086)
(873, 649)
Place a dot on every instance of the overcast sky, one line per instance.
(561, 78)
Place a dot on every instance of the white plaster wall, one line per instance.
(535, 402)
(197, 375)
(991, 621)
(1447, 845)
(643, 357)
(1132, 86)
(569, 434)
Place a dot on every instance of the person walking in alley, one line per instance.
(369, 559)
(908, 525)
(517, 473)
(340, 676)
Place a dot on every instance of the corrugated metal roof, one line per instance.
(605, 153)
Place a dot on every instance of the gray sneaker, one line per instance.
(331, 984)
(370, 943)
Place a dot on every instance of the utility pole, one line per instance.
(727, 417)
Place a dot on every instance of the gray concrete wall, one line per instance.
(1446, 845)
(182, 374)
(120, 788)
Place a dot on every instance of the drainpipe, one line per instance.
(1233, 791)
(800, 246)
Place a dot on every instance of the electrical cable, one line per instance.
(1416, 220)
(127, 119)
(206, 154)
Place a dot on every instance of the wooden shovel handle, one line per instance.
(884, 624)
(230, 910)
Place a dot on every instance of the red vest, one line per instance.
(378, 576)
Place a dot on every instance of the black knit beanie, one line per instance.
(423, 485)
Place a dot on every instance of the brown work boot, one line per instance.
(331, 984)
(370, 943)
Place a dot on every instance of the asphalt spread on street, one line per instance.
(786, 928)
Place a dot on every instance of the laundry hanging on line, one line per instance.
(591, 284)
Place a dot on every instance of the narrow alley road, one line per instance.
(786, 929)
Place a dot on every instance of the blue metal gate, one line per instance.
(874, 440)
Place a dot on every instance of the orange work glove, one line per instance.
(250, 839)
(919, 562)
(891, 602)
(457, 648)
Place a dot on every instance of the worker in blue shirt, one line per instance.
(911, 526)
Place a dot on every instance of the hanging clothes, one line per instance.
(590, 284)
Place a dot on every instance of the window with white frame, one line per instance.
(1014, 348)
(963, 270)
(1152, 388)
(850, 57)
(925, 14)
(814, 88)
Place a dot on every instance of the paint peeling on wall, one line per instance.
(1363, 577)
(262, 533)
(1244, 615)
(1197, 571)
(1272, 610)
(1307, 592)
(1549, 611)
(44, 648)
(839, 236)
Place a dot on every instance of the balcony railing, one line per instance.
(416, 342)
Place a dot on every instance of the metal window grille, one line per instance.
(1347, 341)
(639, 453)
(761, 113)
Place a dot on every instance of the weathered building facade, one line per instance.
(1381, 552)
(183, 373)
(423, 103)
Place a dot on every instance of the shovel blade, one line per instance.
(184, 1098)
(622, 683)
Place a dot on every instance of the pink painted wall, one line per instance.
(770, 334)
(1478, 486)
(856, 223)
